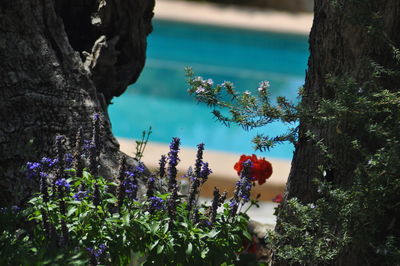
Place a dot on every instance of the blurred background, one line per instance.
(288, 5)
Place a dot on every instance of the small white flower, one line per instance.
(198, 78)
(200, 90)
(312, 206)
(263, 86)
(210, 82)
(247, 92)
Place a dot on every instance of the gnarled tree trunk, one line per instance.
(62, 61)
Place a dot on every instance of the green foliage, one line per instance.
(158, 229)
(141, 144)
(244, 109)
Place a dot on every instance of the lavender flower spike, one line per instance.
(199, 159)
(173, 162)
(162, 165)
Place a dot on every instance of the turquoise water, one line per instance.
(159, 98)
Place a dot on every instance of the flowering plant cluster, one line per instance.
(139, 217)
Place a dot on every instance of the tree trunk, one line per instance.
(340, 46)
(61, 62)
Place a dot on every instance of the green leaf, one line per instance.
(166, 227)
(154, 227)
(112, 200)
(126, 219)
(71, 211)
(247, 235)
(189, 249)
(160, 249)
(154, 244)
(213, 233)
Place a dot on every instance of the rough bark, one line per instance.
(341, 46)
(61, 61)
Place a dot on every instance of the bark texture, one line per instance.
(61, 61)
(340, 46)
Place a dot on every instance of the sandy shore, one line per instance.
(224, 176)
(223, 15)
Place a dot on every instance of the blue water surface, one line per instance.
(159, 98)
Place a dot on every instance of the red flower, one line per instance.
(261, 169)
(278, 198)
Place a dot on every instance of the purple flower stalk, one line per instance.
(199, 160)
(173, 202)
(162, 165)
(243, 188)
(205, 172)
(215, 204)
(43, 186)
(173, 162)
(193, 193)
(131, 188)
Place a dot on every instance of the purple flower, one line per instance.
(87, 145)
(80, 195)
(48, 162)
(205, 172)
(32, 169)
(97, 252)
(173, 162)
(234, 206)
(140, 168)
(130, 174)
(62, 182)
(32, 166)
(156, 203)
(131, 188)
(96, 116)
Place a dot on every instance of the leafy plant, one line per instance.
(79, 217)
